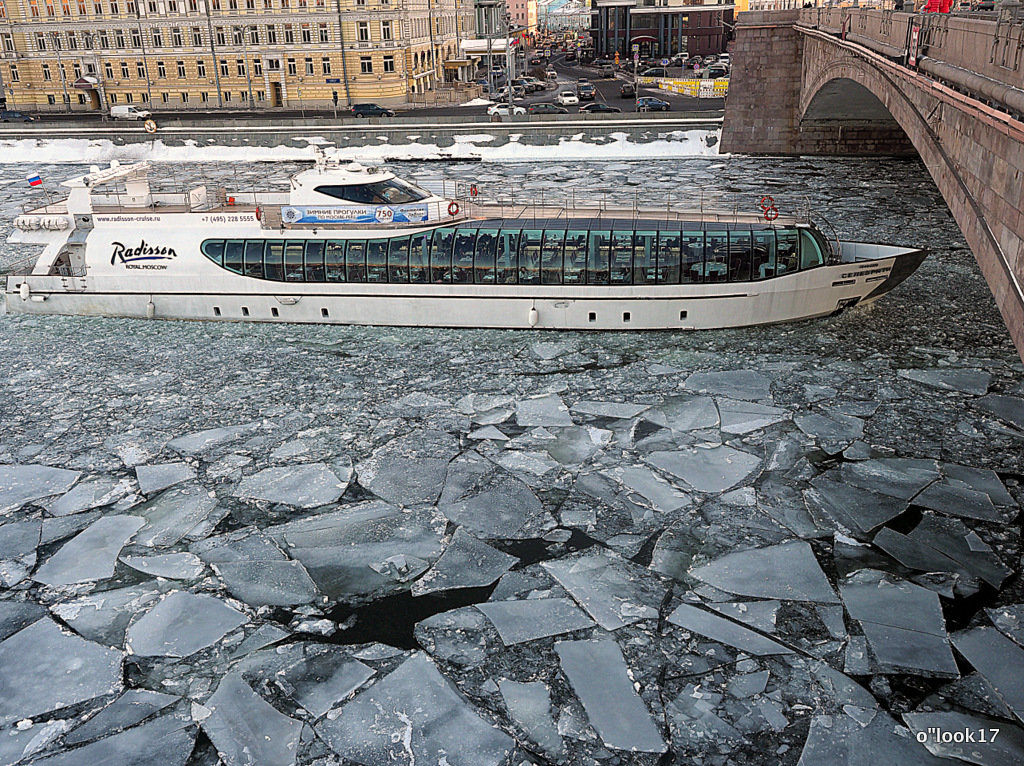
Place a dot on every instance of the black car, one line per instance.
(10, 116)
(651, 104)
(546, 108)
(627, 90)
(370, 110)
(570, 55)
(597, 106)
(585, 91)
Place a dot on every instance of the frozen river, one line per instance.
(329, 545)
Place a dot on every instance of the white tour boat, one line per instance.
(352, 245)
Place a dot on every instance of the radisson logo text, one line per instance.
(144, 252)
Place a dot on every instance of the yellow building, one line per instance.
(203, 54)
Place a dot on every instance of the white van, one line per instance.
(128, 112)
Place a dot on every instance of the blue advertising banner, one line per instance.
(355, 214)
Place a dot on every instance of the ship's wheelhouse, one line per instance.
(535, 252)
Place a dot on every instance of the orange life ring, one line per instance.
(766, 201)
(771, 213)
(473, 191)
(453, 208)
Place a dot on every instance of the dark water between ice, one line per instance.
(101, 396)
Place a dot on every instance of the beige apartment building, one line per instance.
(78, 55)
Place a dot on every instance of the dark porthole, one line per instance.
(245, 311)
(216, 311)
(274, 312)
(323, 313)
(592, 316)
(626, 316)
(682, 315)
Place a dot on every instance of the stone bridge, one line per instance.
(948, 88)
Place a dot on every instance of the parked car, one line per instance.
(129, 113)
(627, 90)
(586, 92)
(12, 116)
(726, 59)
(567, 98)
(537, 84)
(504, 110)
(694, 61)
(710, 59)
(371, 110)
(570, 55)
(715, 71)
(597, 106)
(607, 70)
(535, 60)
(601, 62)
(546, 108)
(651, 104)
(655, 72)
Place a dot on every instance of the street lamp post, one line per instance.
(96, 68)
(248, 69)
(60, 65)
(302, 105)
(213, 53)
(509, 62)
(145, 59)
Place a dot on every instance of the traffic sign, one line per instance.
(636, 48)
(664, 62)
(636, 57)
(333, 80)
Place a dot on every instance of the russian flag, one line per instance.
(35, 180)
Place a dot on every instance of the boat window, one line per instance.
(810, 250)
(765, 264)
(551, 257)
(506, 266)
(273, 260)
(314, 260)
(739, 255)
(692, 264)
(419, 260)
(233, 255)
(334, 260)
(214, 250)
(788, 251)
(377, 260)
(462, 258)
(398, 260)
(529, 257)
(393, 191)
(575, 258)
(668, 258)
(254, 258)
(716, 256)
(355, 261)
(483, 261)
(441, 255)
(598, 257)
(622, 257)
(293, 260)
(645, 257)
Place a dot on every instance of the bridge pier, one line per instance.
(797, 88)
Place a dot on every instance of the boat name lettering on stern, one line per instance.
(144, 252)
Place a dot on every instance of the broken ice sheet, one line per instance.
(87, 495)
(547, 410)
(1006, 748)
(20, 484)
(966, 381)
(757, 614)
(268, 583)
(713, 469)
(90, 555)
(245, 729)
(958, 501)
(743, 417)
(1010, 621)
(485, 499)
(615, 410)
(980, 480)
(787, 571)
(999, 660)
(736, 384)
(409, 469)
(167, 740)
(43, 669)
(18, 543)
(1009, 409)
(202, 441)
(173, 514)
(614, 592)
(529, 705)
(833, 433)
(465, 563)
(836, 505)
(530, 619)
(956, 541)
(897, 477)
(661, 495)
(575, 445)
(614, 708)
(903, 623)
(685, 413)
(181, 625)
(841, 739)
(412, 716)
(724, 631)
(103, 616)
(15, 615)
(153, 478)
(308, 485)
(127, 710)
(174, 566)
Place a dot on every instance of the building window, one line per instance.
(274, 65)
(260, 95)
(360, 2)
(51, 99)
(108, 70)
(363, 31)
(223, 68)
(233, 5)
(227, 96)
(271, 35)
(114, 10)
(325, 64)
(254, 36)
(140, 69)
(158, 38)
(161, 70)
(15, 77)
(144, 97)
(124, 70)
(257, 67)
(236, 35)
(244, 96)
(389, 64)
(307, 34)
(49, 8)
(221, 37)
(291, 67)
(250, 5)
(164, 98)
(128, 97)
(97, 8)
(113, 98)
(309, 66)
(181, 70)
(204, 97)
(240, 66)
(176, 39)
(172, 6)
(8, 41)
(82, 12)
(197, 37)
(325, 35)
(289, 34)
(104, 40)
(72, 41)
(46, 72)
(119, 38)
(366, 65)
(77, 70)
(184, 97)
(201, 68)
(193, 5)
(136, 38)
(81, 98)
(40, 41)
(385, 30)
